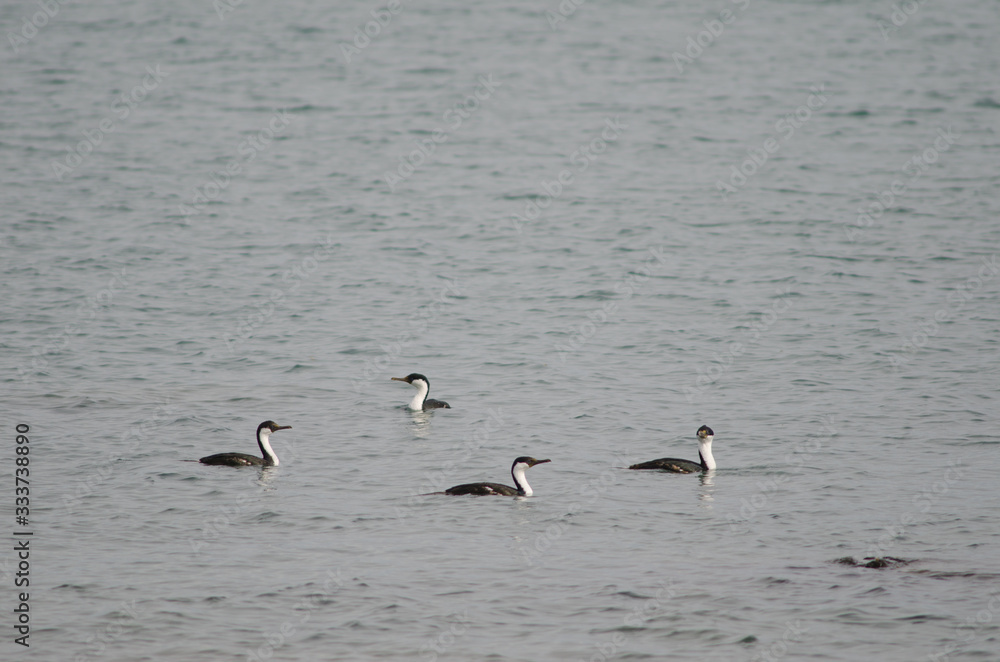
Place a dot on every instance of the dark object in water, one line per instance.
(873, 562)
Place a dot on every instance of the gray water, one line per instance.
(224, 246)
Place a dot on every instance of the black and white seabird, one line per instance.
(674, 465)
(517, 470)
(269, 459)
(420, 401)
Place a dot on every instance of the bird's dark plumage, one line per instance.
(482, 489)
(233, 460)
(672, 465)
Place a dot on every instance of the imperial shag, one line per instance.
(517, 470)
(269, 459)
(674, 465)
(420, 401)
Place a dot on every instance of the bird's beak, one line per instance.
(540, 462)
(397, 379)
(283, 427)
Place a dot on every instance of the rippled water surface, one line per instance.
(594, 232)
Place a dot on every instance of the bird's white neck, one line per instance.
(705, 450)
(520, 482)
(263, 440)
(417, 403)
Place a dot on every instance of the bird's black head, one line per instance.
(530, 461)
(272, 427)
(705, 431)
(412, 377)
